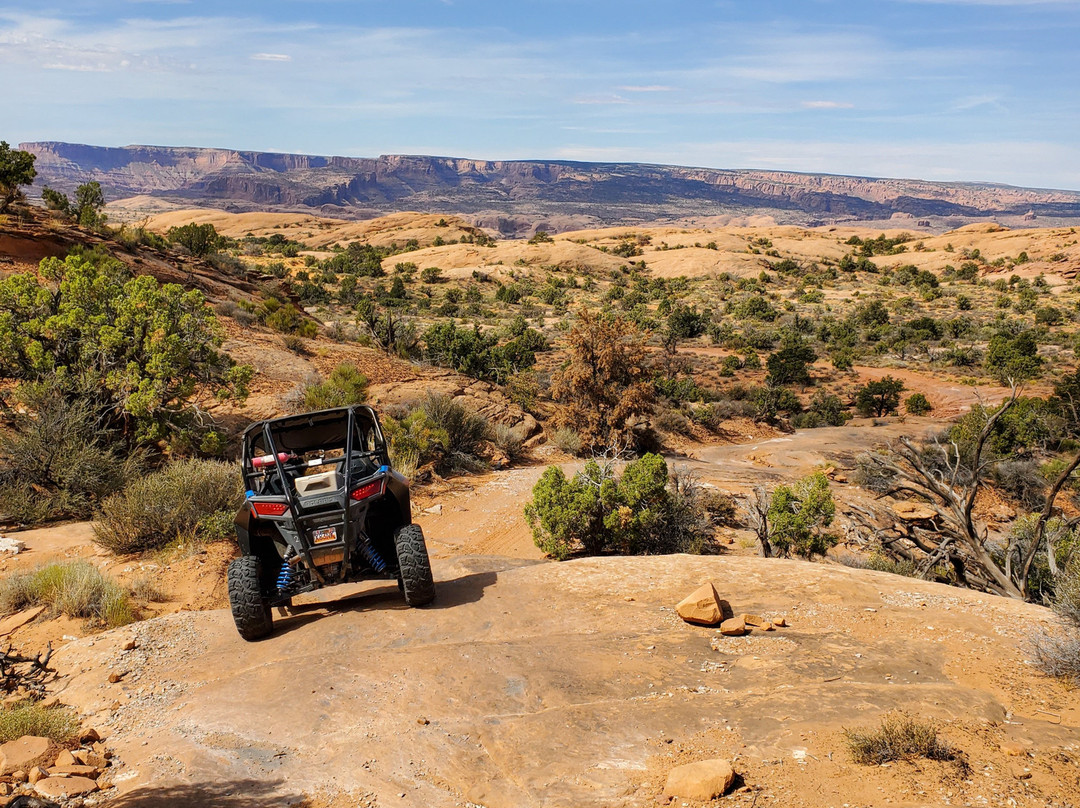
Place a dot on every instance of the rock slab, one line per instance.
(63, 788)
(704, 780)
(701, 607)
(24, 753)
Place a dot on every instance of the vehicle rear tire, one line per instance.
(250, 608)
(414, 566)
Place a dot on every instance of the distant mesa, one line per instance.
(514, 194)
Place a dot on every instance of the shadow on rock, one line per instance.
(227, 794)
(448, 595)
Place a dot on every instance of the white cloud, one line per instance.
(270, 57)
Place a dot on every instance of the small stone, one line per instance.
(115, 677)
(89, 735)
(65, 758)
(5, 789)
(422, 722)
(128, 646)
(628, 599)
(100, 749)
(779, 622)
(702, 606)
(79, 755)
(1014, 749)
(755, 620)
(95, 760)
(768, 627)
(735, 627)
(704, 780)
(64, 788)
(36, 773)
(26, 752)
(114, 706)
(19, 776)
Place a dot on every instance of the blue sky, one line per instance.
(983, 90)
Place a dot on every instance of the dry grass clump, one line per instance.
(186, 500)
(899, 737)
(74, 588)
(510, 440)
(1057, 653)
(31, 718)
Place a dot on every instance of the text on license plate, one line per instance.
(321, 535)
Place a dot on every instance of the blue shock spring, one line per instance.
(372, 558)
(285, 577)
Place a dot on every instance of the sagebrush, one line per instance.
(185, 500)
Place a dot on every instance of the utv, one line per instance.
(323, 506)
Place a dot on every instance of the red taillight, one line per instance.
(270, 508)
(369, 490)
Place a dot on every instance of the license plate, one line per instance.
(322, 535)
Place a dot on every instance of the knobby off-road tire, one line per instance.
(250, 610)
(415, 568)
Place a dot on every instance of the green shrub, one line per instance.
(346, 385)
(138, 350)
(879, 397)
(465, 430)
(825, 409)
(31, 718)
(917, 404)
(899, 737)
(796, 515)
(438, 431)
(57, 460)
(186, 500)
(74, 588)
(640, 512)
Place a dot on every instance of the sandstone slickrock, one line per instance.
(735, 627)
(702, 606)
(25, 753)
(703, 780)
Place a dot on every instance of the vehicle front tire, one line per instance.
(250, 609)
(414, 566)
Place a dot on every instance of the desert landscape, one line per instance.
(534, 405)
(452, 703)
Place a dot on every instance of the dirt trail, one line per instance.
(574, 685)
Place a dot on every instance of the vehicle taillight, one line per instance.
(270, 508)
(368, 490)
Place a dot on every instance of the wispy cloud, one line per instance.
(270, 57)
(827, 105)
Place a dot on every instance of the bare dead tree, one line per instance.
(25, 674)
(949, 489)
(757, 509)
